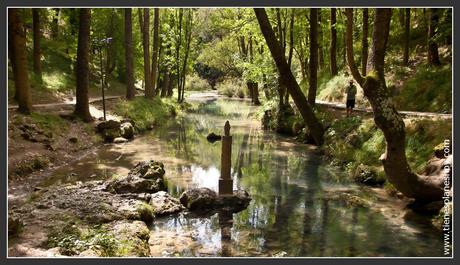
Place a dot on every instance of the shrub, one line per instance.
(195, 83)
(230, 87)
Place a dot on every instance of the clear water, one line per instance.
(291, 213)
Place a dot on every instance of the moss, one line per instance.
(28, 166)
(145, 211)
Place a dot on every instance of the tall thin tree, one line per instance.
(37, 37)
(129, 58)
(148, 89)
(18, 59)
(386, 117)
(433, 55)
(156, 44)
(82, 104)
(288, 79)
(333, 48)
(364, 43)
(313, 67)
(406, 37)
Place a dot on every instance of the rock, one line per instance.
(73, 140)
(132, 237)
(431, 208)
(91, 252)
(367, 175)
(212, 137)
(110, 124)
(127, 130)
(163, 204)
(234, 203)
(15, 225)
(120, 140)
(199, 199)
(207, 200)
(109, 130)
(145, 177)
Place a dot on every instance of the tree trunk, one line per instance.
(364, 43)
(37, 36)
(320, 40)
(313, 56)
(82, 105)
(55, 23)
(349, 47)
(19, 61)
(288, 79)
(406, 37)
(156, 44)
(130, 89)
(388, 119)
(333, 49)
(148, 90)
(433, 55)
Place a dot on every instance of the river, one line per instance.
(292, 212)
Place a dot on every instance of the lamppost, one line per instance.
(98, 45)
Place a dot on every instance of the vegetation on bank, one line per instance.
(149, 112)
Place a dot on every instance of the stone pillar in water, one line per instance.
(225, 181)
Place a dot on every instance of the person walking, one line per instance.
(351, 96)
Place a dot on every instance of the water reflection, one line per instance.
(290, 214)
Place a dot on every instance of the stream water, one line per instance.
(291, 213)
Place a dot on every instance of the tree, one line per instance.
(18, 60)
(130, 89)
(82, 104)
(313, 80)
(37, 36)
(148, 89)
(288, 79)
(406, 36)
(156, 44)
(433, 55)
(333, 48)
(364, 44)
(386, 117)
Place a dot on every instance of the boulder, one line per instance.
(212, 137)
(207, 200)
(127, 130)
(234, 203)
(145, 177)
(163, 204)
(367, 175)
(109, 130)
(199, 199)
(120, 140)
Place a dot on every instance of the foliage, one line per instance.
(231, 87)
(211, 74)
(196, 83)
(147, 112)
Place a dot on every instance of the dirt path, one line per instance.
(213, 94)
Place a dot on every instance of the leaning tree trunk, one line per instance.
(387, 119)
(433, 55)
(130, 89)
(148, 90)
(288, 79)
(406, 37)
(19, 61)
(156, 44)
(333, 48)
(82, 105)
(37, 36)
(313, 56)
(364, 43)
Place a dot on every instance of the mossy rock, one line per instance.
(367, 175)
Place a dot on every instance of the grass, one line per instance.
(431, 86)
(148, 112)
